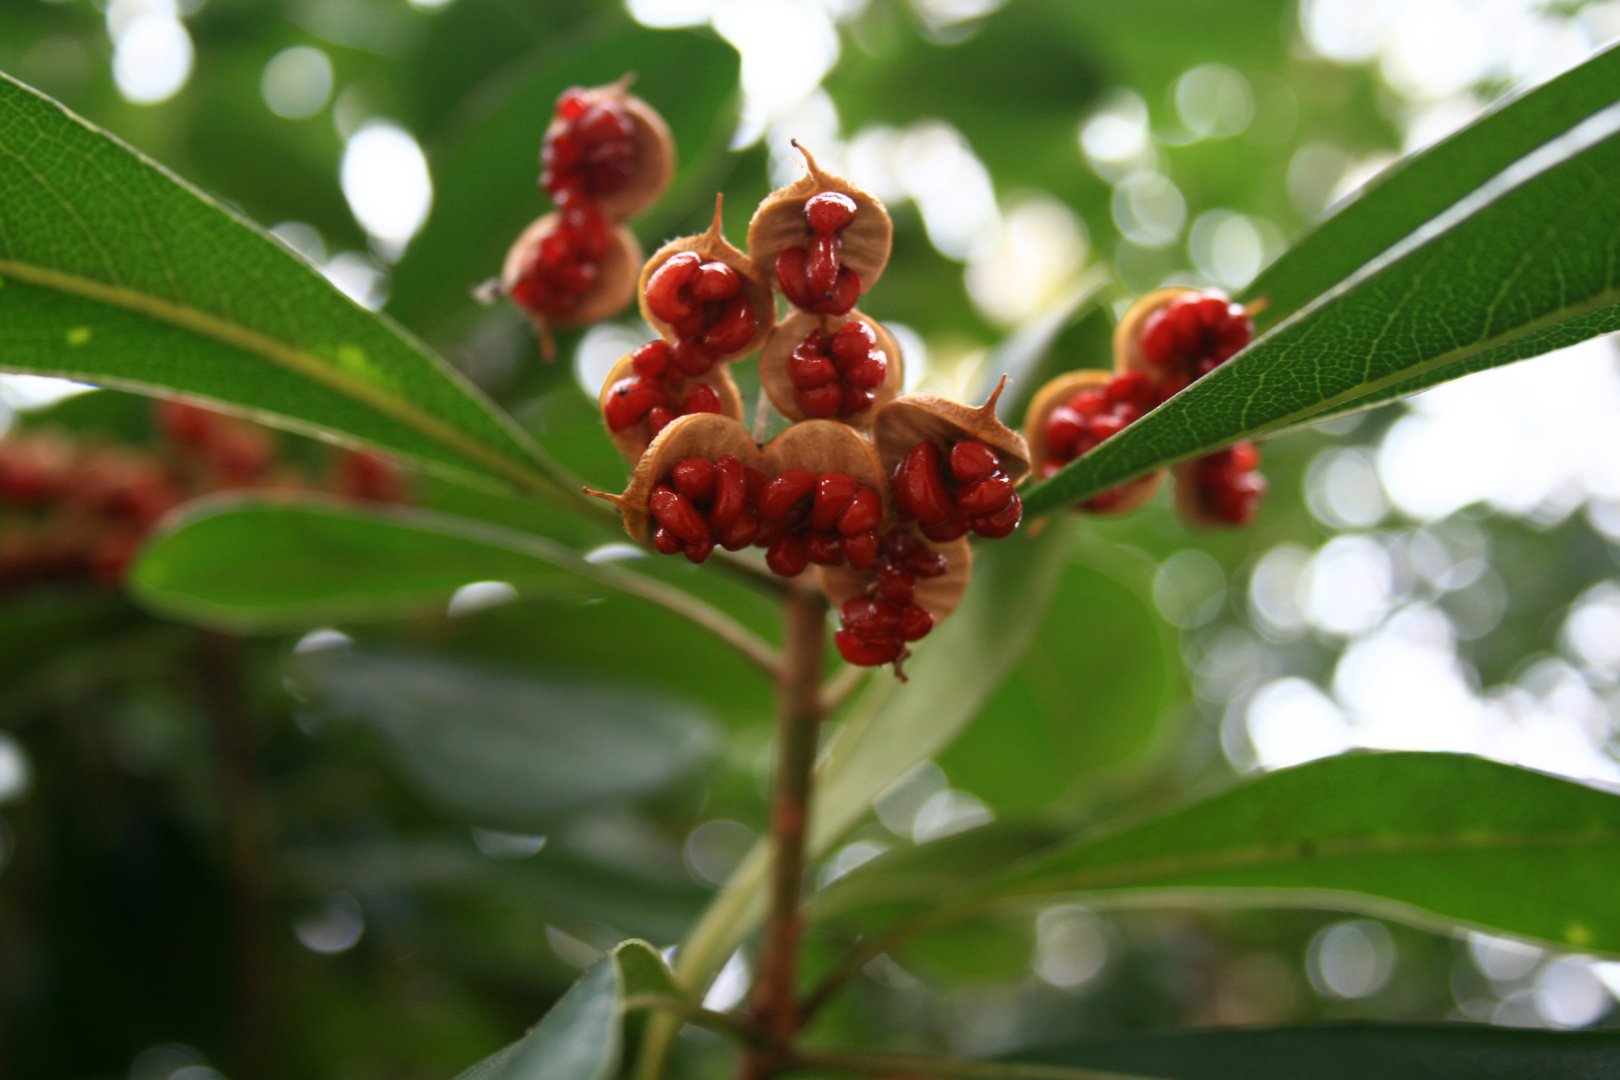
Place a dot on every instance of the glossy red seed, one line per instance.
(842, 298)
(809, 372)
(730, 492)
(694, 478)
(821, 401)
(1158, 339)
(915, 622)
(1064, 430)
(894, 584)
(572, 103)
(854, 402)
(651, 360)
(700, 551)
(821, 259)
(1245, 456)
(739, 532)
(862, 514)
(860, 550)
(1000, 523)
(715, 281)
(823, 550)
(665, 541)
(701, 398)
(630, 400)
(659, 417)
(985, 496)
(918, 487)
(781, 494)
(972, 460)
(1131, 388)
(787, 556)
(829, 211)
(869, 372)
(952, 528)
(870, 616)
(834, 492)
(668, 282)
(865, 651)
(691, 358)
(1106, 426)
(790, 278)
(854, 340)
(676, 514)
(734, 329)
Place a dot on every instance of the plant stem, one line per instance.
(798, 712)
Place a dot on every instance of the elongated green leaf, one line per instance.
(511, 751)
(891, 728)
(1422, 186)
(1525, 264)
(1353, 1052)
(582, 1036)
(268, 563)
(116, 272)
(1459, 838)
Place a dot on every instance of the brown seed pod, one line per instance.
(1128, 334)
(824, 446)
(615, 278)
(914, 418)
(939, 595)
(776, 356)
(779, 224)
(713, 247)
(1134, 493)
(706, 435)
(632, 442)
(654, 150)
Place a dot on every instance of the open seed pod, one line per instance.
(913, 418)
(706, 435)
(824, 446)
(1131, 495)
(654, 150)
(776, 368)
(607, 295)
(939, 595)
(780, 224)
(633, 441)
(1128, 334)
(711, 246)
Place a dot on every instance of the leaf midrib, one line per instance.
(287, 356)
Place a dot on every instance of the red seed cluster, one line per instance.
(71, 511)
(813, 277)
(592, 152)
(704, 304)
(565, 263)
(878, 626)
(651, 393)
(834, 376)
(969, 491)
(1228, 487)
(798, 517)
(1192, 336)
(1093, 415)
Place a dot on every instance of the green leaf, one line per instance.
(582, 1036)
(116, 272)
(1422, 186)
(1352, 1052)
(1407, 835)
(1524, 264)
(266, 563)
(510, 751)
(892, 727)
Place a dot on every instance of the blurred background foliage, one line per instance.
(380, 849)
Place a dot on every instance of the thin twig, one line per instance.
(836, 689)
(798, 712)
(762, 415)
(684, 604)
(915, 1064)
(724, 1023)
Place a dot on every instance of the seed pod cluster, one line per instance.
(1167, 339)
(605, 157)
(876, 493)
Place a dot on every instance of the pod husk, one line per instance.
(778, 350)
(633, 441)
(823, 446)
(779, 224)
(939, 595)
(912, 418)
(707, 435)
(655, 151)
(713, 247)
(1047, 399)
(615, 282)
(1128, 334)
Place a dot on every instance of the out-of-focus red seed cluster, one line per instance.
(563, 266)
(78, 510)
(1192, 336)
(1226, 484)
(951, 495)
(592, 152)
